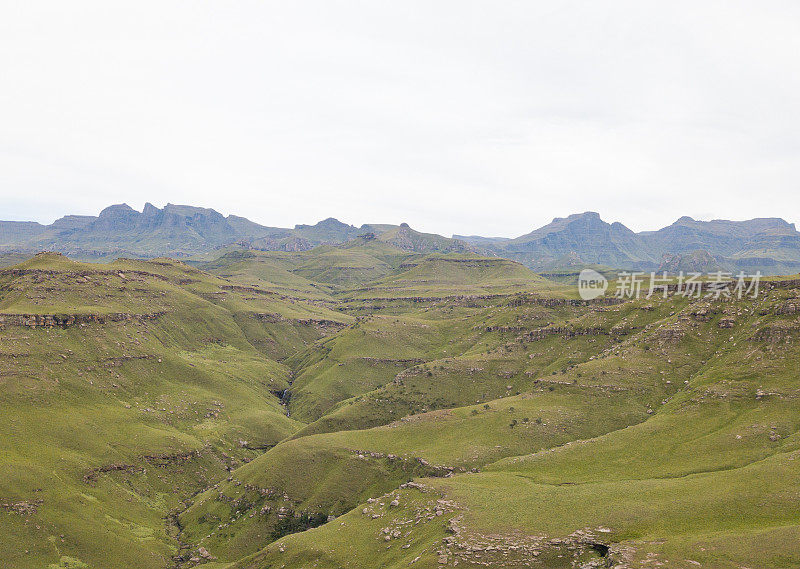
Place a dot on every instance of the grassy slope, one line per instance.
(369, 355)
(372, 353)
(665, 430)
(9, 258)
(271, 271)
(708, 477)
(440, 275)
(168, 399)
(489, 362)
(377, 535)
(711, 477)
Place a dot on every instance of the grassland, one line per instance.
(375, 406)
(145, 392)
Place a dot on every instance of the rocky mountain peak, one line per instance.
(150, 210)
(331, 223)
(117, 211)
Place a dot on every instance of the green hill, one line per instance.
(408, 239)
(455, 274)
(126, 388)
(634, 444)
(366, 405)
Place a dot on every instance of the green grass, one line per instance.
(653, 429)
(664, 430)
(186, 382)
(456, 274)
(358, 539)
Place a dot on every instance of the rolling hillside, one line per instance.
(666, 435)
(370, 405)
(126, 388)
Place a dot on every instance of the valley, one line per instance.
(372, 405)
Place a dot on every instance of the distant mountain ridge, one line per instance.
(184, 231)
(771, 245)
(119, 230)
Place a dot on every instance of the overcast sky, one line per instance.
(457, 117)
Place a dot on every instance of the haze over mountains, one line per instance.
(771, 245)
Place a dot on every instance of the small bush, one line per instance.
(292, 524)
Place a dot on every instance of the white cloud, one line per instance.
(466, 117)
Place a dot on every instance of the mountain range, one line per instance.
(769, 245)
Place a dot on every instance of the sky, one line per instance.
(463, 117)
